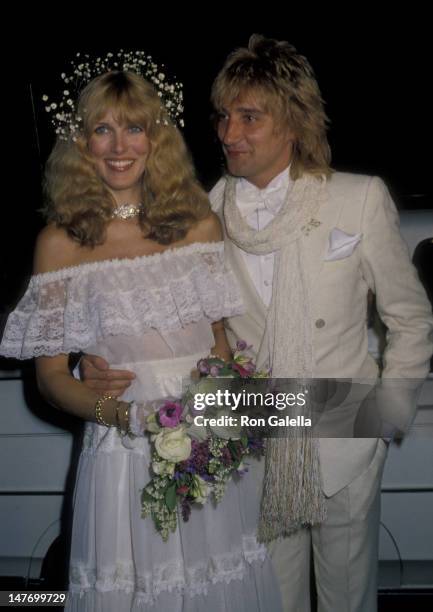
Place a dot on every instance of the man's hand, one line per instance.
(96, 374)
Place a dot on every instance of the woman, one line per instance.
(130, 268)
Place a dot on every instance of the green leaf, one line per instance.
(234, 447)
(170, 497)
(146, 497)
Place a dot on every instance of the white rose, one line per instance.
(199, 489)
(163, 468)
(173, 444)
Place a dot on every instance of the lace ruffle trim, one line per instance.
(71, 309)
(130, 263)
(169, 577)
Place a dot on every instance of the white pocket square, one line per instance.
(341, 245)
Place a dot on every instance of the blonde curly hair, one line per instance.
(78, 200)
(283, 81)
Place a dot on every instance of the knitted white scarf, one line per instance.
(292, 492)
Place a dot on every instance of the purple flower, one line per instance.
(241, 345)
(215, 370)
(170, 414)
(255, 443)
(199, 459)
(256, 446)
(203, 366)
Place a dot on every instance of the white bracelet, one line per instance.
(135, 427)
(216, 356)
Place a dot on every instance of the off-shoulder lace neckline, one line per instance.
(193, 247)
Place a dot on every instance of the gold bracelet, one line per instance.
(98, 409)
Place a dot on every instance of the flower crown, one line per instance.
(63, 113)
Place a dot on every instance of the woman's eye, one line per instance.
(135, 129)
(101, 129)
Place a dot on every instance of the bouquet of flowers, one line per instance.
(193, 464)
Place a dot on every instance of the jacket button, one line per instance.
(320, 323)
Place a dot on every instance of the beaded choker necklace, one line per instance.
(126, 211)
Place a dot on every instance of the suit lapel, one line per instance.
(315, 238)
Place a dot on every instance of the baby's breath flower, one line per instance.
(85, 68)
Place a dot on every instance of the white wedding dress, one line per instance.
(151, 315)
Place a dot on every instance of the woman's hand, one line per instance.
(95, 373)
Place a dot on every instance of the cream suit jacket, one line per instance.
(355, 204)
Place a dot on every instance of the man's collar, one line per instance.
(250, 198)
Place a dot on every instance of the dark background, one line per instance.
(374, 72)
(374, 76)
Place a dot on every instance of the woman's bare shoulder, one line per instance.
(54, 250)
(208, 229)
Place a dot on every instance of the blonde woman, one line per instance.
(131, 268)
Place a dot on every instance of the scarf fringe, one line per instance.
(292, 491)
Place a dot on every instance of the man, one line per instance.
(307, 244)
(272, 127)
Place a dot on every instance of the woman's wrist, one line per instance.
(221, 352)
(111, 412)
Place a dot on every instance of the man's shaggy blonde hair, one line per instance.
(283, 82)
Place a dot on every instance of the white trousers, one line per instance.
(344, 549)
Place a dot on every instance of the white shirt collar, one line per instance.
(250, 198)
